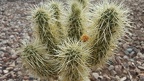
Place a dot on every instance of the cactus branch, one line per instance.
(43, 30)
(73, 56)
(35, 59)
(75, 26)
(110, 23)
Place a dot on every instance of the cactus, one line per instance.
(76, 38)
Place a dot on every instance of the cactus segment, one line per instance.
(57, 10)
(43, 30)
(37, 62)
(75, 22)
(73, 56)
(109, 25)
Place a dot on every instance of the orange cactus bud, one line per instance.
(84, 38)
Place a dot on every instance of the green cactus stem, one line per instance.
(43, 30)
(109, 25)
(75, 22)
(73, 56)
(56, 8)
(35, 59)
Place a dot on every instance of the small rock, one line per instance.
(133, 73)
(118, 59)
(140, 55)
(123, 79)
(12, 65)
(14, 57)
(141, 77)
(96, 75)
(138, 62)
(111, 67)
(131, 65)
(141, 67)
(106, 77)
(129, 50)
(5, 59)
(118, 69)
(125, 45)
(5, 71)
(117, 77)
(113, 72)
(9, 68)
(126, 57)
(16, 69)
(26, 77)
(100, 77)
(19, 73)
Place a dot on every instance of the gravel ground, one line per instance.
(126, 65)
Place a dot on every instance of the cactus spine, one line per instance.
(90, 38)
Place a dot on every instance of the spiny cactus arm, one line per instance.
(41, 18)
(36, 61)
(73, 56)
(57, 9)
(76, 21)
(110, 20)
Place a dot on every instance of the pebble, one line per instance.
(111, 67)
(141, 77)
(123, 78)
(96, 75)
(26, 77)
(118, 69)
(9, 68)
(12, 64)
(113, 72)
(129, 50)
(106, 77)
(5, 71)
(125, 57)
(141, 67)
(140, 55)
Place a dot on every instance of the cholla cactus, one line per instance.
(76, 38)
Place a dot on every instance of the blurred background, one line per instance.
(15, 27)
